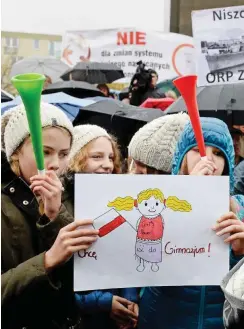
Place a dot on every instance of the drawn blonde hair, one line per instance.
(172, 202)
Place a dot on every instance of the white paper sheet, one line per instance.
(182, 250)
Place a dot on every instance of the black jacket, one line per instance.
(31, 297)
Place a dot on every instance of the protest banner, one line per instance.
(170, 54)
(219, 42)
(153, 231)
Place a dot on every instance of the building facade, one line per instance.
(180, 17)
(16, 46)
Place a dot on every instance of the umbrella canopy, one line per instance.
(49, 66)
(225, 102)
(119, 119)
(77, 89)
(93, 72)
(6, 97)
(158, 103)
(68, 104)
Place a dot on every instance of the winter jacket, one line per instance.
(191, 307)
(95, 305)
(233, 288)
(239, 178)
(31, 297)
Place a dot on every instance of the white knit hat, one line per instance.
(15, 126)
(154, 144)
(84, 134)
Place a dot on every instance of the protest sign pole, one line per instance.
(30, 87)
(187, 87)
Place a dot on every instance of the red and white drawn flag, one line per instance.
(108, 222)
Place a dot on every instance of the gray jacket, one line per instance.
(233, 312)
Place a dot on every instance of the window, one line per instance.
(51, 48)
(36, 44)
(54, 48)
(12, 42)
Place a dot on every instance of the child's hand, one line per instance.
(121, 313)
(50, 188)
(229, 223)
(71, 238)
(203, 167)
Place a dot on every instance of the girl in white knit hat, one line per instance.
(151, 149)
(33, 246)
(96, 152)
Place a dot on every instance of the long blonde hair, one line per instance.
(172, 202)
(78, 162)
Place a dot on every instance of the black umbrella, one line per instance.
(94, 72)
(119, 119)
(225, 102)
(6, 97)
(77, 89)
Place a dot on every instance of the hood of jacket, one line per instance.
(216, 134)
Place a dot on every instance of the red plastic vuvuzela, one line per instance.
(187, 87)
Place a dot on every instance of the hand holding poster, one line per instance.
(150, 227)
(169, 54)
(219, 42)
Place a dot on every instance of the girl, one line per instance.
(96, 152)
(150, 226)
(197, 307)
(152, 147)
(34, 293)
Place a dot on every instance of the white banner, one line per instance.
(153, 231)
(219, 42)
(169, 54)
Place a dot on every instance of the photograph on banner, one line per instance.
(169, 54)
(219, 42)
(149, 228)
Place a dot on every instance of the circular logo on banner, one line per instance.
(77, 50)
(183, 59)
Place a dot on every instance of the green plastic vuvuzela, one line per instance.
(30, 87)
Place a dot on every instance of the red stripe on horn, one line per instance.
(107, 228)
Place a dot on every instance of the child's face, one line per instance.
(213, 154)
(151, 207)
(100, 157)
(56, 147)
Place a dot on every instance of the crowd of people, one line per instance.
(40, 236)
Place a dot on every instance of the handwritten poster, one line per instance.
(153, 231)
(219, 41)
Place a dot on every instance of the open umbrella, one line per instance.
(93, 72)
(119, 119)
(68, 104)
(77, 89)
(6, 97)
(49, 66)
(225, 102)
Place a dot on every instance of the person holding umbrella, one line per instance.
(38, 234)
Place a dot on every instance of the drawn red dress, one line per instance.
(149, 239)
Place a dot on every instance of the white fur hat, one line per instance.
(15, 127)
(83, 135)
(154, 144)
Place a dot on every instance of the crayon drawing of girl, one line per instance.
(150, 226)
